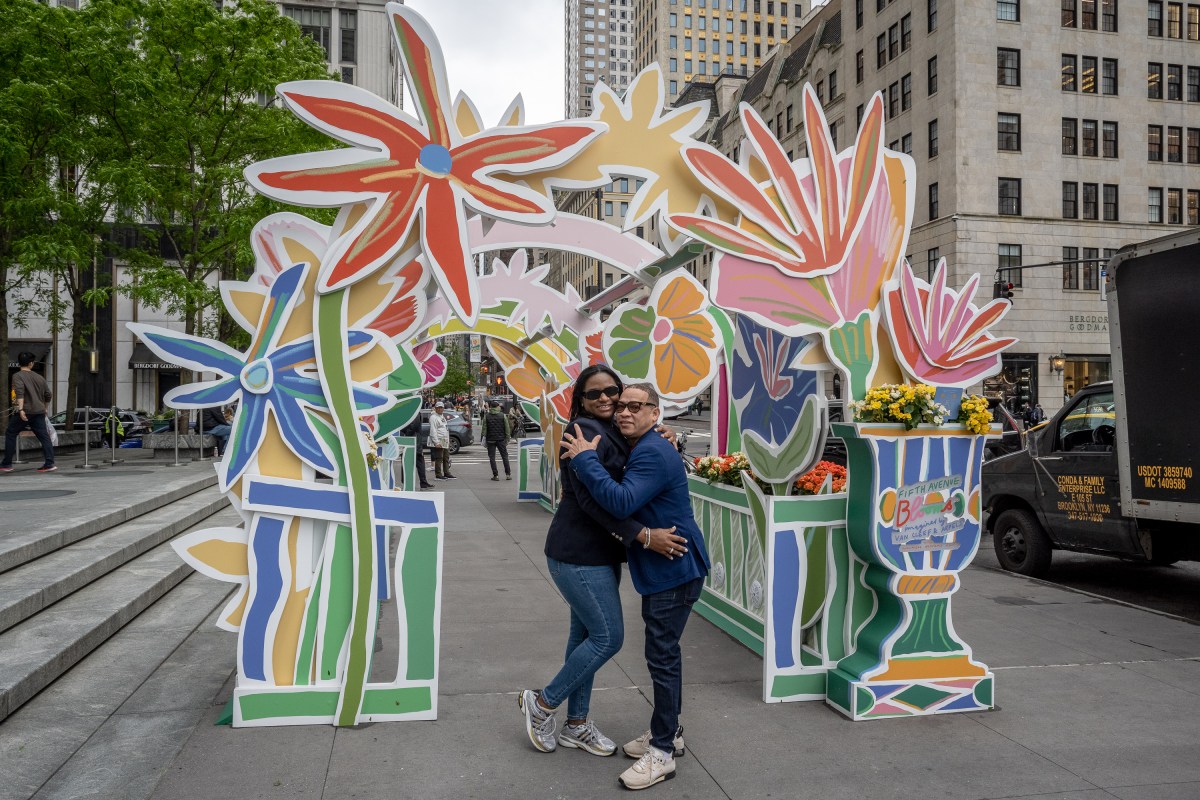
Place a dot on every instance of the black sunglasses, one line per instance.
(633, 407)
(607, 391)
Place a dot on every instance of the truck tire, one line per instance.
(1021, 544)
(455, 445)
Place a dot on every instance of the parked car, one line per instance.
(133, 423)
(462, 433)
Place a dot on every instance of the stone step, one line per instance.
(87, 735)
(33, 586)
(22, 542)
(37, 651)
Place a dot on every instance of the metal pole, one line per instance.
(112, 439)
(200, 441)
(87, 441)
(175, 425)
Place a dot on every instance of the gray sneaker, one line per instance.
(587, 737)
(540, 724)
(638, 747)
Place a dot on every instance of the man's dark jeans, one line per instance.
(37, 423)
(666, 614)
(502, 446)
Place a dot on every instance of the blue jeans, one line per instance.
(36, 423)
(221, 432)
(666, 613)
(597, 631)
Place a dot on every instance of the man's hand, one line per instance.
(576, 443)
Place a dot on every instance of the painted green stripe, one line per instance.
(337, 610)
(323, 702)
(419, 574)
(813, 509)
(723, 623)
(738, 615)
(308, 633)
(792, 685)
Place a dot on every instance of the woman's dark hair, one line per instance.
(581, 382)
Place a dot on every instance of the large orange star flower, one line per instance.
(411, 171)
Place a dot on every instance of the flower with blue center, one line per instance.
(269, 378)
(768, 386)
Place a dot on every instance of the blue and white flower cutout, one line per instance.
(269, 377)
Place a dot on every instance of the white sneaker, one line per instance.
(654, 767)
(637, 747)
(540, 724)
(587, 737)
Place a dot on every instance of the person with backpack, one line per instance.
(496, 430)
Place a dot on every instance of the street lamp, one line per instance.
(1058, 363)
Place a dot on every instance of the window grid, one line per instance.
(1008, 263)
(1008, 132)
(1008, 66)
(1070, 272)
(1070, 200)
(1009, 197)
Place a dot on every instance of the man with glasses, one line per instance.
(668, 574)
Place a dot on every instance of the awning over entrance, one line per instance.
(144, 358)
(39, 348)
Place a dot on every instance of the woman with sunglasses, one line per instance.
(585, 548)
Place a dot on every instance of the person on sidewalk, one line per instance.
(416, 430)
(584, 551)
(30, 394)
(668, 573)
(516, 421)
(214, 422)
(439, 442)
(495, 435)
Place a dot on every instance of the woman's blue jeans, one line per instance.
(597, 631)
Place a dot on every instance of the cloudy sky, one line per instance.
(497, 48)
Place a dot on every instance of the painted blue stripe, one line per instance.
(266, 539)
(785, 596)
(962, 704)
(334, 501)
(405, 511)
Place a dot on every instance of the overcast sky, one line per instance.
(497, 48)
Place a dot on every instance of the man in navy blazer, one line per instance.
(669, 575)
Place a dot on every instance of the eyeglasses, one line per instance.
(607, 391)
(633, 407)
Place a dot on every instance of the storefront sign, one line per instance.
(1087, 323)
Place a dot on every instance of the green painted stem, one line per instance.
(332, 346)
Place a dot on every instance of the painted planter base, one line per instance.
(859, 699)
(308, 705)
(529, 470)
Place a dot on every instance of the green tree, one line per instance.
(457, 379)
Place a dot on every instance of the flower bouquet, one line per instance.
(899, 402)
(811, 482)
(725, 469)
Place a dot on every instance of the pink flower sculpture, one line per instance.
(939, 335)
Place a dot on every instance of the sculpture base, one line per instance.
(908, 697)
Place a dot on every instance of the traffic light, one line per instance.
(1002, 290)
(484, 369)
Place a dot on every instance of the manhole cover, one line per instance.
(121, 472)
(35, 494)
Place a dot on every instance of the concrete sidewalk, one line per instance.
(1095, 700)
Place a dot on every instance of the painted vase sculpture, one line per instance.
(914, 518)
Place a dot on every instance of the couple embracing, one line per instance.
(624, 498)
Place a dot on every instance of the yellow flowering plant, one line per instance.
(899, 402)
(975, 414)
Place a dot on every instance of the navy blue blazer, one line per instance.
(583, 531)
(654, 489)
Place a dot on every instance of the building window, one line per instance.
(789, 118)
(906, 144)
(858, 67)
(1154, 141)
(1109, 139)
(1070, 136)
(880, 50)
(1068, 14)
(1008, 10)
(931, 16)
(1174, 206)
(1154, 205)
(833, 87)
(1174, 20)
(1108, 76)
(348, 22)
(1008, 132)
(1090, 269)
(608, 208)
(314, 22)
(1108, 16)
(933, 138)
(1088, 17)
(893, 100)
(905, 32)
(1087, 75)
(1091, 201)
(1008, 197)
(1175, 145)
(1193, 84)
(931, 81)
(1008, 66)
(858, 15)
(1069, 84)
(933, 201)
(1111, 205)
(1090, 138)
(1070, 271)
(931, 262)
(905, 91)
(1154, 81)
(1193, 145)
(894, 41)
(1070, 200)
(347, 75)
(1193, 207)
(1174, 82)
(1154, 18)
(1009, 264)
(1193, 23)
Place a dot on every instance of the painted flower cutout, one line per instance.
(801, 230)
(671, 342)
(268, 378)
(413, 174)
(433, 363)
(939, 335)
(521, 371)
(768, 384)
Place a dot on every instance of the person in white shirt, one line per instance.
(439, 443)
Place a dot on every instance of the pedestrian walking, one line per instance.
(30, 396)
(439, 442)
(415, 429)
(496, 431)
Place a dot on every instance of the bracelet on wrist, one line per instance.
(646, 544)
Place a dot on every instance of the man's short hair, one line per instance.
(494, 404)
(652, 394)
(25, 359)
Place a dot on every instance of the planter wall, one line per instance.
(529, 471)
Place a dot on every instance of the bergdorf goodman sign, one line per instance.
(1087, 322)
